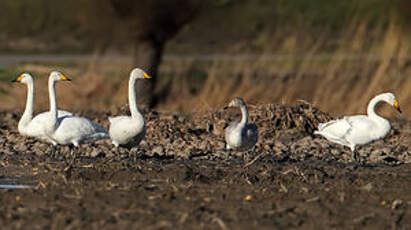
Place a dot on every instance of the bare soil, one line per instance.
(182, 178)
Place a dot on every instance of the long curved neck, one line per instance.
(244, 113)
(28, 112)
(132, 100)
(53, 102)
(371, 108)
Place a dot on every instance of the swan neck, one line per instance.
(244, 112)
(28, 112)
(53, 101)
(371, 107)
(132, 98)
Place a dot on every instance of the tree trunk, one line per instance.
(147, 56)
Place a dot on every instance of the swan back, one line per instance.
(72, 129)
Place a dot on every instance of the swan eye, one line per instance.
(146, 75)
(396, 104)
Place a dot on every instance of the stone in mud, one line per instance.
(159, 150)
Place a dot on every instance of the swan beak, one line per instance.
(226, 107)
(64, 78)
(18, 79)
(146, 75)
(397, 106)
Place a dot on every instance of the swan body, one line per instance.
(29, 125)
(128, 131)
(70, 129)
(241, 135)
(357, 130)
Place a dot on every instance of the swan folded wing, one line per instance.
(124, 129)
(126, 126)
(78, 129)
(361, 131)
(35, 127)
(335, 130)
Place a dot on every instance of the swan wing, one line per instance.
(363, 129)
(337, 128)
(35, 127)
(251, 135)
(76, 130)
(126, 130)
(335, 131)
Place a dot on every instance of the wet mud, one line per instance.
(181, 177)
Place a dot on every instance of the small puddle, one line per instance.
(9, 183)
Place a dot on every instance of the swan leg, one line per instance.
(354, 155)
(73, 152)
(53, 151)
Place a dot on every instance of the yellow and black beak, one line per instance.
(146, 75)
(397, 106)
(18, 79)
(64, 78)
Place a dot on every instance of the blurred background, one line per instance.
(334, 54)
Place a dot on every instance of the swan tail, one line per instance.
(97, 136)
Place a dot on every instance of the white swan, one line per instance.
(128, 131)
(241, 135)
(28, 125)
(359, 129)
(70, 129)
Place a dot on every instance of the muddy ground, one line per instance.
(182, 178)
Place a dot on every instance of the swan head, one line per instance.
(24, 78)
(139, 74)
(237, 102)
(390, 99)
(57, 76)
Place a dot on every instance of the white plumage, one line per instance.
(70, 129)
(28, 125)
(359, 129)
(128, 131)
(241, 135)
